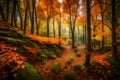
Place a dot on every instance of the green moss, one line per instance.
(57, 52)
(70, 60)
(56, 68)
(28, 73)
(12, 41)
(10, 32)
(70, 75)
(42, 57)
(78, 67)
(78, 54)
(30, 42)
(22, 51)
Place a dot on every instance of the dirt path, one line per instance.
(45, 70)
(66, 53)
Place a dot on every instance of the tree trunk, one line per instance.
(7, 10)
(88, 47)
(48, 31)
(53, 27)
(114, 43)
(73, 39)
(2, 13)
(60, 31)
(33, 13)
(21, 20)
(25, 19)
(102, 31)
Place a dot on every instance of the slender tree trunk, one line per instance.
(53, 27)
(78, 36)
(37, 27)
(48, 31)
(114, 43)
(37, 20)
(25, 19)
(102, 30)
(94, 41)
(2, 12)
(60, 31)
(7, 10)
(21, 20)
(88, 46)
(73, 39)
(33, 13)
(85, 34)
(13, 16)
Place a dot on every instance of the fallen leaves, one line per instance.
(32, 52)
(100, 59)
(46, 40)
(10, 61)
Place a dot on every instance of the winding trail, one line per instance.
(66, 53)
(45, 70)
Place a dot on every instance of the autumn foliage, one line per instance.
(32, 52)
(10, 61)
(100, 59)
(46, 40)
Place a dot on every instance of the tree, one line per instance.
(71, 7)
(88, 36)
(26, 14)
(114, 42)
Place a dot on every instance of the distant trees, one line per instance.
(51, 17)
(72, 7)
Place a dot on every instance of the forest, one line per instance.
(59, 39)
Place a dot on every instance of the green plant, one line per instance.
(56, 68)
(78, 67)
(70, 75)
(70, 60)
(42, 57)
(28, 73)
(78, 54)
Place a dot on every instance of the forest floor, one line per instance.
(45, 69)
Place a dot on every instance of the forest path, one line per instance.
(66, 54)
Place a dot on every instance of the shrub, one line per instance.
(52, 56)
(105, 49)
(28, 73)
(42, 57)
(77, 52)
(56, 68)
(70, 75)
(78, 67)
(70, 60)
(57, 52)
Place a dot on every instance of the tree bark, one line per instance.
(2, 12)
(114, 42)
(88, 41)
(33, 13)
(25, 19)
(7, 10)
(21, 19)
